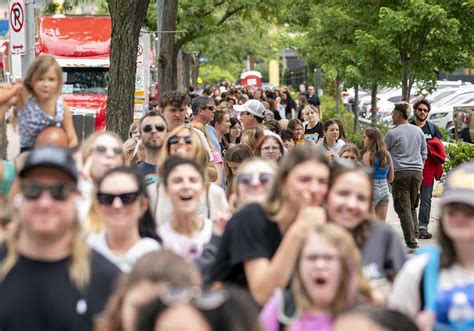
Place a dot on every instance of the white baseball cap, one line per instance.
(253, 107)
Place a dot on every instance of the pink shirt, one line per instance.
(305, 322)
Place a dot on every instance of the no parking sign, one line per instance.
(16, 12)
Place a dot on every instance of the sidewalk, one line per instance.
(393, 220)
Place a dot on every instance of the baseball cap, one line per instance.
(253, 107)
(49, 156)
(459, 185)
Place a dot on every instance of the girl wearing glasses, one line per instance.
(185, 142)
(123, 201)
(260, 243)
(349, 204)
(269, 147)
(328, 279)
(252, 182)
(187, 230)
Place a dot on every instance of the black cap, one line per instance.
(49, 156)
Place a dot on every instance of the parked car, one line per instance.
(443, 116)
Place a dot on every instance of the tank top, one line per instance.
(380, 173)
(33, 120)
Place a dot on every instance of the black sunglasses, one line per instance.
(59, 192)
(176, 139)
(125, 198)
(247, 178)
(158, 127)
(103, 149)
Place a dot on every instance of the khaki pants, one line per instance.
(405, 191)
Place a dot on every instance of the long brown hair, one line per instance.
(377, 147)
(353, 287)
(298, 155)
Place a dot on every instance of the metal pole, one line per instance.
(30, 35)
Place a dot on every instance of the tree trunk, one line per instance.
(167, 71)
(373, 104)
(355, 108)
(127, 20)
(183, 70)
(404, 59)
(195, 69)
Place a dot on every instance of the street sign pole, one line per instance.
(16, 17)
(30, 35)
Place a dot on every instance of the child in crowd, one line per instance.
(328, 279)
(41, 104)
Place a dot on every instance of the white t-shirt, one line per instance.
(124, 262)
(453, 281)
(187, 247)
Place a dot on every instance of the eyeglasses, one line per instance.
(103, 149)
(201, 299)
(424, 110)
(158, 127)
(247, 178)
(270, 148)
(59, 192)
(325, 257)
(211, 108)
(176, 139)
(125, 198)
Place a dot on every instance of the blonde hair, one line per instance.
(202, 128)
(353, 286)
(94, 222)
(38, 68)
(251, 136)
(200, 154)
(79, 268)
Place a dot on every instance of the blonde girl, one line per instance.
(41, 105)
(328, 279)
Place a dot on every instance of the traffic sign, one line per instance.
(17, 24)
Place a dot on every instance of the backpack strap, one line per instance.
(288, 312)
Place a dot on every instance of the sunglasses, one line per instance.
(126, 198)
(424, 110)
(201, 299)
(59, 192)
(176, 139)
(158, 127)
(247, 178)
(103, 149)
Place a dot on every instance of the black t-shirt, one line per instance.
(250, 234)
(38, 295)
(315, 133)
(430, 130)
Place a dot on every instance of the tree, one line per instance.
(127, 20)
(428, 36)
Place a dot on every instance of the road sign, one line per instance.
(17, 26)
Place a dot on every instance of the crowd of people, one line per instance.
(229, 209)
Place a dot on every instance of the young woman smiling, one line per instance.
(187, 231)
(260, 244)
(349, 204)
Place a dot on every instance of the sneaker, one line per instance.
(412, 247)
(424, 234)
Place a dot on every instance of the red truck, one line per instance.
(81, 45)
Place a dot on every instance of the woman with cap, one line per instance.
(453, 306)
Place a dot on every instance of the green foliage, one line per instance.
(214, 74)
(446, 135)
(457, 153)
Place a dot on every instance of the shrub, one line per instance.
(457, 153)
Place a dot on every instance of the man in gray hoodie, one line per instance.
(407, 147)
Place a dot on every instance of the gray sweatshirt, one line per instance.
(407, 146)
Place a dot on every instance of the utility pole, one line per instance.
(30, 35)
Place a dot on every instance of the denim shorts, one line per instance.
(381, 193)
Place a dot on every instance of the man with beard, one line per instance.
(153, 131)
(433, 165)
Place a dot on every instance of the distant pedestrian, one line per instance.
(407, 146)
(433, 167)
